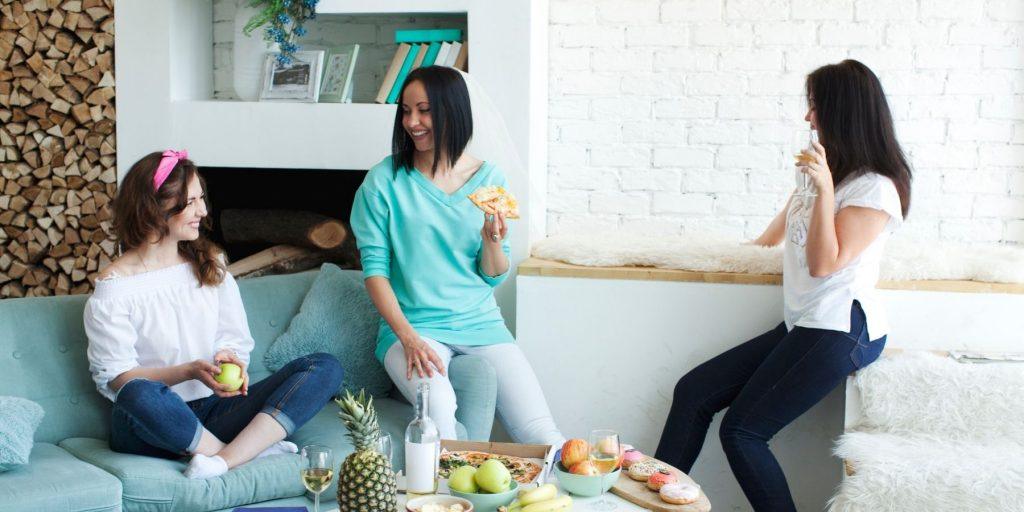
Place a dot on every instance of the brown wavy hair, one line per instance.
(140, 212)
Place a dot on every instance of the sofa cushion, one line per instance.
(54, 480)
(152, 484)
(42, 358)
(336, 317)
(19, 419)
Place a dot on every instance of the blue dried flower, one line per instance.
(300, 31)
(283, 19)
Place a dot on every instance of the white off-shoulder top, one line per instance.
(162, 318)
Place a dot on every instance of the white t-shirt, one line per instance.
(825, 302)
(162, 318)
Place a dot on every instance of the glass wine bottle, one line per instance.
(422, 448)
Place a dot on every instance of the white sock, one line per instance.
(203, 466)
(279, 448)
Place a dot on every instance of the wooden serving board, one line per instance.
(637, 493)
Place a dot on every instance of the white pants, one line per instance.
(521, 404)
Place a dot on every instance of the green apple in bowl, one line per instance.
(462, 480)
(493, 477)
(230, 375)
(488, 502)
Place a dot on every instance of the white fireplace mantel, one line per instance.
(164, 62)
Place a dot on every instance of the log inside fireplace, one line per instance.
(272, 221)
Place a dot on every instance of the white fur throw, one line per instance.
(923, 393)
(935, 435)
(906, 260)
(923, 474)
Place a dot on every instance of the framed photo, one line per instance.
(339, 66)
(299, 80)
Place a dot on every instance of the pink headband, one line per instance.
(167, 163)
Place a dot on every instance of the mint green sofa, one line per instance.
(71, 468)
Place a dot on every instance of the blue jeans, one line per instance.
(150, 419)
(766, 383)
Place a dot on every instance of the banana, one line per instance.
(559, 503)
(542, 493)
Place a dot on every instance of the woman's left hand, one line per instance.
(495, 228)
(818, 170)
(228, 356)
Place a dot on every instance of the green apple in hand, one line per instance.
(493, 477)
(461, 480)
(230, 374)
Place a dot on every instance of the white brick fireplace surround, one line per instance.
(671, 116)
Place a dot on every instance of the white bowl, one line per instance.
(415, 504)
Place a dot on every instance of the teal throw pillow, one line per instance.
(336, 317)
(19, 419)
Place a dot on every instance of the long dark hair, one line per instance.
(140, 212)
(450, 115)
(855, 125)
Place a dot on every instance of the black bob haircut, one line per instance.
(450, 114)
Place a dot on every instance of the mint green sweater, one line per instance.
(428, 244)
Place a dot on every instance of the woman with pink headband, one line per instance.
(162, 318)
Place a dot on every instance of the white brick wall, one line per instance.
(674, 115)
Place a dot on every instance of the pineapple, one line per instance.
(365, 480)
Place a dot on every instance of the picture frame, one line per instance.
(297, 81)
(339, 68)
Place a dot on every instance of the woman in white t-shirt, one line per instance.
(163, 316)
(833, 322)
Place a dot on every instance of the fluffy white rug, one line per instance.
(906, 260)
(935, 435)
(918, 473)
(923, 393)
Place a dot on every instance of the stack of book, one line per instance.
(420, 48)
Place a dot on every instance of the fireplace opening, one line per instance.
(273, 195)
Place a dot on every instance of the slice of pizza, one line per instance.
(495, 199)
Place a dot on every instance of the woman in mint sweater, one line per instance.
(431, 268)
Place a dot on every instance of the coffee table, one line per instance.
(578, 504)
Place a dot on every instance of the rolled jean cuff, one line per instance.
(286, 423)
(196, 438)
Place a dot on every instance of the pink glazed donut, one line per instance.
(660, 479)
(630, 457)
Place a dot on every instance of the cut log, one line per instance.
(277, 254)
(288, 227)
(280, 259)
(57, 147)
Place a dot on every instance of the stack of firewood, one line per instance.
(57, 144)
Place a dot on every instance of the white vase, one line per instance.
(249, 54)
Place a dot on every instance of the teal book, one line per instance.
(404, 72)
(436, 35)
(428, 60)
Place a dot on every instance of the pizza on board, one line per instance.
(523, 470)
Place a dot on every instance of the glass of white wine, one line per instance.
(384, 446)
(802, 142)
(317, 470)
(604, 454)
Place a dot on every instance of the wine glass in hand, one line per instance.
(800, 146)
(604, 454)
(317, 470)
